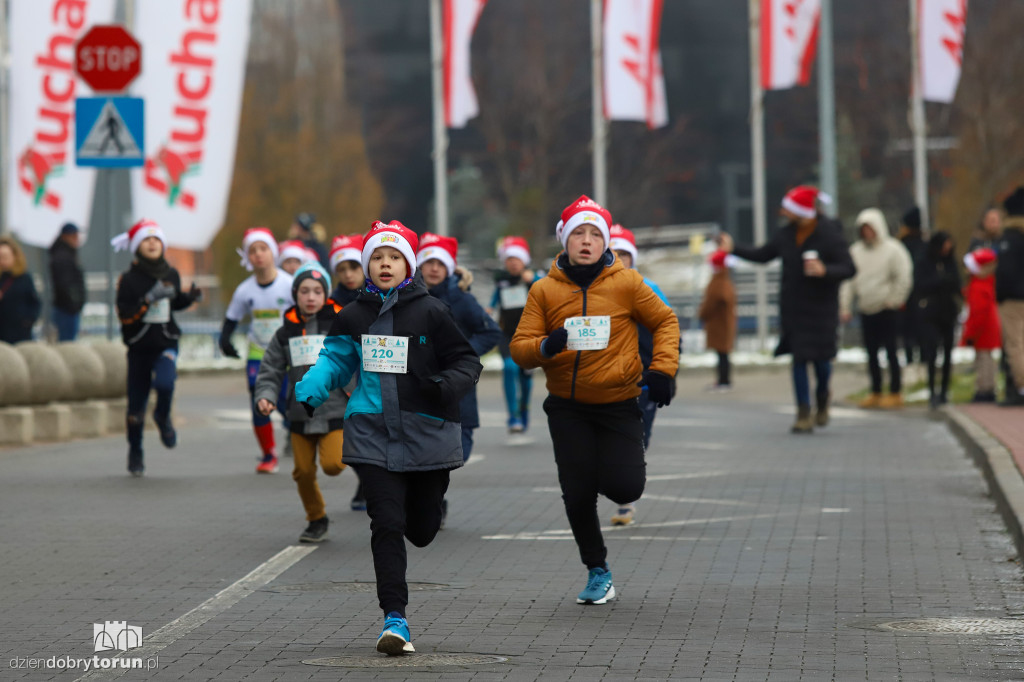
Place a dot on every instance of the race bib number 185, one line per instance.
(591, 332)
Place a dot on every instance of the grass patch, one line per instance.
(961, 389)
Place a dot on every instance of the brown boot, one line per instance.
(893, 401)
(803, 423)
(821, 418)
(874, 400)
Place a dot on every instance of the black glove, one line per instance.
(195, 293)
(308, 408)
(555, 343)
(661, 388)
(225, 339)
(158, 291)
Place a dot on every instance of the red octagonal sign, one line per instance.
(108, 58)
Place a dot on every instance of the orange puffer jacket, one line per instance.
(597, 376)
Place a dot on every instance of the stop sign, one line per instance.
(108, 58)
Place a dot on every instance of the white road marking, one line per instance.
(679, 477)
(663, 498)
(212, 607)
(559, 534)
(475, 459)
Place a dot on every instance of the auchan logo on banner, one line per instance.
(47, 155)
(167, 170)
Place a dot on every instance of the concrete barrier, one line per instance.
(115, 366)
(48, 375)
(117, 408)
(52, 422)
(15, 388)
(89, 419)
(17, 425)
(86, 369)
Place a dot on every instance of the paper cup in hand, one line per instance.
(810, 255)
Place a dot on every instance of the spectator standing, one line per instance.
(68, 282)
(1010, 295)
(910, 237)
(306, 229)
(937, 289)
(19, 302)
(989, 231)
(981, 330)
(718, 313)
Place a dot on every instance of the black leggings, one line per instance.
(933, 335)
(402, 505)
(880, 332)
(599, 449)
(724, 368)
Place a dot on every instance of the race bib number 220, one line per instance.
(388, 354)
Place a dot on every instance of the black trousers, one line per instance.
(599, 449)
(149, 370)
(402, 505)
(724, 370)
(933, 335)
(880, 331)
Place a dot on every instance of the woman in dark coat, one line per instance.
(19, 302)
(937, 290)
(815, 261)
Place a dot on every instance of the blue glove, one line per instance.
(555, 343)
(311, 392)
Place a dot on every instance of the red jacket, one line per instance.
(982, 327)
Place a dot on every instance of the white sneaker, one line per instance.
(624, 515)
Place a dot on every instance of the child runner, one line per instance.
(589, 304)
(293, 254)
(718, 313)
(511, 286)
(437, 266)
(346, 264)
(148, 293)
(264, 297)
(981, 329)
(291, 353)
(623, 243)
(412, 366)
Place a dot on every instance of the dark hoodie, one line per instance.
(67, 278)
(937, 282)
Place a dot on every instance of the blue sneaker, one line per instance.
(599, 587)
(394, 639)
(515, 425)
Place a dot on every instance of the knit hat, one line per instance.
(720, 260)
(292, 248)
(444, 249)
(131, 239)
(622, 240)
(1014, 204)
(583, 211)
(69, 228)
(251, 236)
(979, 258)
(514, 247)
(395, 235)
(802, 200)
(346, 247)
(310, 270)
(912, 218)
(305, 221)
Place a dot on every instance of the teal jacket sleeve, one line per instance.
(334, 367)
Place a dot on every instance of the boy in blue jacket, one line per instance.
(403, 437)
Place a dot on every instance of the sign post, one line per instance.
(109, 131)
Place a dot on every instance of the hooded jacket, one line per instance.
(148, 326)
(400, 422)
(67, 278)
(609, 375)
(885, 273)
(1010, 272)
(280, 359)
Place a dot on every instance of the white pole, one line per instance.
(599, 125)
(440, 153)
(918, 125)
(4, 133)
(827, 110)
(757, 174)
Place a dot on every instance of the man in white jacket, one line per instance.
(881, 286)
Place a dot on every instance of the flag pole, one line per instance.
(827, 110)
(599, 125)
(918, 124)
(440, 153)
(4, 121)
(757, 171)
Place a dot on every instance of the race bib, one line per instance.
(513, 297)
(388, 354)
(159, 312)
(305, 349)
(264, 323)
(588, 333)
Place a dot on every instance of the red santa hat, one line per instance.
(802, 201)
(444, 249)
(131, 239)
(979, 258)
(622, 240)
(346, 247)
(293, 248)
(251, 236)
(721, 260)
(583, 211)
(393, 234)
(514, 247)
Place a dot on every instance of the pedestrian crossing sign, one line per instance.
(109, 132)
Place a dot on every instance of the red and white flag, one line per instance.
(789, 39)
(634, 84)
(941, 41)
(460, 17)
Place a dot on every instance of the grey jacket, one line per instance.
(277, 362)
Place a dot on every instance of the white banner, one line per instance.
(789, 39)
(634, 85)
(941, 39)
(460, 17)
(44, 187)
(193, 73)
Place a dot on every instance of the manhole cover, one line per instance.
(408, 661)
(958, 626)
(357, 586)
